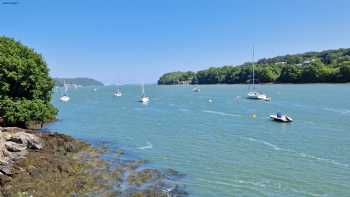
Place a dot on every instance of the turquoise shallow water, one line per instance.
(221, 148)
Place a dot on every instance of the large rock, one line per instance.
(14, 147)
(26, 139)
(14, 143)
(3, 151)
(5, 168)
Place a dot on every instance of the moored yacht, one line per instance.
(254, 94)
(118, 93)
(65, 97)
(144, 98)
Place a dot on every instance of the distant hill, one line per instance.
(331, 66)
(81, 81)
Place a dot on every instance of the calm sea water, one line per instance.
(220, 146)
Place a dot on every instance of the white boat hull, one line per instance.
(118, 94)
(196, 90)
(64, 98)
(144, 99)
(283, 118)
(258, 96)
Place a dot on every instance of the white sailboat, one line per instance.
(254, 94)
(144, 98)
(118, 92)
(65, 97)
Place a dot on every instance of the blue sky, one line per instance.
(134, 41)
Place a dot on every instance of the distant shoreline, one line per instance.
(330, 66)
(77, 81)
(255, 84)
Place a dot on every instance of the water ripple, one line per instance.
(299, 154)
(148, 146)
(220, 113)
(340, 111)
(260, 184)
(275, 147)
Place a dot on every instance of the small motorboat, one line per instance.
(279, 117)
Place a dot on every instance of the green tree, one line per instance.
(176, 78)
(25, 85)
(310, 74)
(232, 75)
(327, 74)
(310, 67)
(290, 74)
(294, 59)
(343, 74)
(267, 74)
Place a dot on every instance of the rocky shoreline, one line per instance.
(34, 163)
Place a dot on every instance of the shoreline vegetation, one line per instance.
(330, 66)
(25, 86)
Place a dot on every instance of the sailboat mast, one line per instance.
(143, 89)
(253, 59)
(65, 87)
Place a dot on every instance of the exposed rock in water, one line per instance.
(33, 163)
